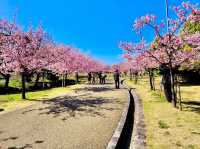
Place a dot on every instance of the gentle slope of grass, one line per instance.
(13, 101)
(167, 127)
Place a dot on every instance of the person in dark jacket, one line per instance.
(89, 77)
(104, 78)
(117, 78)
(93, 78)
(100, 77)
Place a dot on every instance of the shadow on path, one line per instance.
(70, 106)
(95, 89)
(22, 147)
(26, 146)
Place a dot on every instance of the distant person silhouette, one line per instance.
(104, 78)
(100, 77)
(116, 78)
(89, 77)
(93, 78)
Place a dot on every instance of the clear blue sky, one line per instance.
(95, 26)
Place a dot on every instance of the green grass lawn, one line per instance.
(13, 101)
(168, 127)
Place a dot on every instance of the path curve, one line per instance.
(86, 118)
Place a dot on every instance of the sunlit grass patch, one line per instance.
(163, 125)
(12, 101)
(168, 127)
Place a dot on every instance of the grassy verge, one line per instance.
(14, 101)
(167, 127)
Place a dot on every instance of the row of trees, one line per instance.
(33, 51)
(175, 45)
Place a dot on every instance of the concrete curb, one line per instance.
(122, 135)
(130, 132)
(138, 140)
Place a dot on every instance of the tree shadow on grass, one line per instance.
(73, 106)
(190, 83)
(193, 106)
(10, 90)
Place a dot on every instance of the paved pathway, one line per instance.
(84, 119)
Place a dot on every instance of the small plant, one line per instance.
(163, 125)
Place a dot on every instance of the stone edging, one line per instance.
(114, 141)
(138, 139)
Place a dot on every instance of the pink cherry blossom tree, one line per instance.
(7, 29)
(168, 48)
(21, 51)
(32, 52)
(149, 65)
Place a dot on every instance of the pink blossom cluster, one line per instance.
(31, 51)
(168, 48)
(129, 46)
(147, 19)
(133, 65)
(195, 15)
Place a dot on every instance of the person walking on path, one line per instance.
(104, 78)
(93, 78)
(89, 77)
(100, 77)
(117, 78)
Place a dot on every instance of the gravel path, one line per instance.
(84, 119)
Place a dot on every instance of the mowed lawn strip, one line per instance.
(168, 127)
(14, 101)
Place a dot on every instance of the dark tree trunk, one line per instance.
(174, 101)
(167, 90)
(23, 85)
(43, 77)
(151, 79)
(77, 77)
(7, 79)
(65, 79)
(61, 80)
(166, 82)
